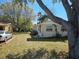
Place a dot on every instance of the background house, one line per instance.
(48, 28)
(5, 26)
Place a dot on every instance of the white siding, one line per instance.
(45, 33)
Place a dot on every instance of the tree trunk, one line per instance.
(73, 40)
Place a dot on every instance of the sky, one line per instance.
(3, 1)
(57, 9)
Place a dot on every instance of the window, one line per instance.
(49, 28)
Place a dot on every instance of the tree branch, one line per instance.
(51, 15)
(67, 8)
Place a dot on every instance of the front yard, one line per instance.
(19, 43)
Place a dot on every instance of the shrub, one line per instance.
(34, 32)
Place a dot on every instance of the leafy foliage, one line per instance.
(19, 16)
(25, 1)
(42, 18)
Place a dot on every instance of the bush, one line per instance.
(34, 32)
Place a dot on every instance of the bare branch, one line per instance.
(51, 15)
(67, 8)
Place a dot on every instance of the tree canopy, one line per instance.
(20, 16)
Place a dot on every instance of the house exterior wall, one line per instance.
(7, 27)
(52, 33)
(45, 33)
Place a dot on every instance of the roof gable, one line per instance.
(45, 18)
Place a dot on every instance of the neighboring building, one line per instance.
(5, 27)
(48, 28)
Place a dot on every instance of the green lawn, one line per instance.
(19, 43)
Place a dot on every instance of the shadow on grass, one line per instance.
(39, 54)
(48, 39)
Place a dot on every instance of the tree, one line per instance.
(24, 12)
(19, 15)
(71, 25)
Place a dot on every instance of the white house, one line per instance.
(4, 26)
(48, 28)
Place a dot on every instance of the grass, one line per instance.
(19, 43)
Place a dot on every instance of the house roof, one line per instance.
(42, 18)
(4, 23)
